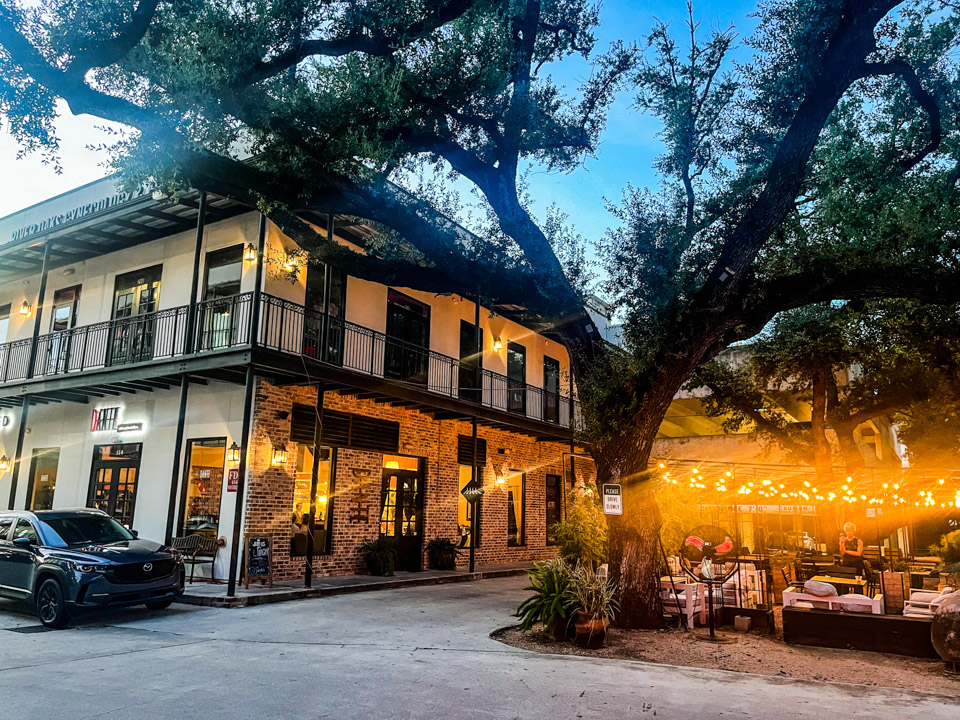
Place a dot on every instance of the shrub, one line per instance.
(380, 555)
(443, 554)
(550, 602)
(582, 536)
(948, 550)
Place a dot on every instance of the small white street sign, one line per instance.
(612, 500)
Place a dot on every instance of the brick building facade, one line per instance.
(356, 496)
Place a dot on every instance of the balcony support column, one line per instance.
(474, 509)
(241, 480)
(258, 282)
(189, 342)
(21, 433)
(39, 312)
(177, 453)
(317, 435)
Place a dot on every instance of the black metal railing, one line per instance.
(290, 328)
(286, 327)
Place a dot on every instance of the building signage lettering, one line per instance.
(612, 499)
(73, 214)
(233, 479)
(130, 427)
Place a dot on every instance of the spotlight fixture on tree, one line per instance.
(233, 453)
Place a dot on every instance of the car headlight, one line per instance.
(89, 568)
(177, 557)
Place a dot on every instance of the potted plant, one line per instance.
(380, 556)
(443, 554)
(593, 598)
(550, 602)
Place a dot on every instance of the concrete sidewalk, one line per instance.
(215, 594)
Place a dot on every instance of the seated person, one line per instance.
(851, 549)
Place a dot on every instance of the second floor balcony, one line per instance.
(277, 326)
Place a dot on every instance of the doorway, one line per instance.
(401, 510)
(516, 378)
(43, 478)
(408, 339)
(471, 362)
(136, 296)
(113, 481)
(64, 317)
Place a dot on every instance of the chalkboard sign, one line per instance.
(259, 562)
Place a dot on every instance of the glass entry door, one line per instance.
(401, 511)
(135, 299)
(113, 481)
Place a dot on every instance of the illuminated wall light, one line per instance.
(25, 309)
(280, 455)
(498, 346)
(233, 453)
(250, 254)
(4, 464)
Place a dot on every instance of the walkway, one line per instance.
(215, 594)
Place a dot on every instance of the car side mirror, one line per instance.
(135, 533)
(23, 541)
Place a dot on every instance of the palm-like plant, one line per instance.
(550, 602)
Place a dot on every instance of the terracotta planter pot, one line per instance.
(558, 629)
(590, 632)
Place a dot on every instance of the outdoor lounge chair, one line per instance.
(924, 603)
(794, 597)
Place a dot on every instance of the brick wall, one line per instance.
(356, 493)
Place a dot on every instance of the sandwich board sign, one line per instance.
(612, 499)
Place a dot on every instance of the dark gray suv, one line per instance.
(64, 559)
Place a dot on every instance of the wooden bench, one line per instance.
(861, 631)
(793, 595)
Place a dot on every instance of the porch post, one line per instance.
(327, 277)
(21, 432)
(241, 481)
(474, 507)
(39, 312)
(317, 434)
(258, 282)
(189, 343)
(177, 451)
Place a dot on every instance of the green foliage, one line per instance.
(380, 555)
(443, 553)
(948, 549)
(550, 602)
(582, 535)
(593, 594)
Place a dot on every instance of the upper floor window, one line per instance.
(516, 378)
(137, 292)
(4, 322)
(551, 389)
(224, 271)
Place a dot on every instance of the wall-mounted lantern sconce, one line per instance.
(280, 455)
(4, 464)
(501, 479)
(290, 263)
(497, 344)
(233, 453)
(25, 309)
(250, 254)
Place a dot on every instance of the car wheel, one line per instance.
(158, 605)
(51, 605)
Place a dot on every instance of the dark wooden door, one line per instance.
(406, 355)
(401, 515)
(471, 361)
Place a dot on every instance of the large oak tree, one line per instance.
(781, 176)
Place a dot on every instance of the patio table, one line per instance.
(841, 583)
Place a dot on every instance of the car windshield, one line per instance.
(88, 529)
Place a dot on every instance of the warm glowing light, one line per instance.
(280, 455)
(4, 464)
(250, 254)
(233, 453)
(497, 344)
(25, 309)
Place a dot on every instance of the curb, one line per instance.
(286, 595)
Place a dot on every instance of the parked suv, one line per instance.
(65, 559)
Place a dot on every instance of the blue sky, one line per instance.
(628, 147)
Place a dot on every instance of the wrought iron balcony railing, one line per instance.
(284, 327)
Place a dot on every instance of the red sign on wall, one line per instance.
(233, 479)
